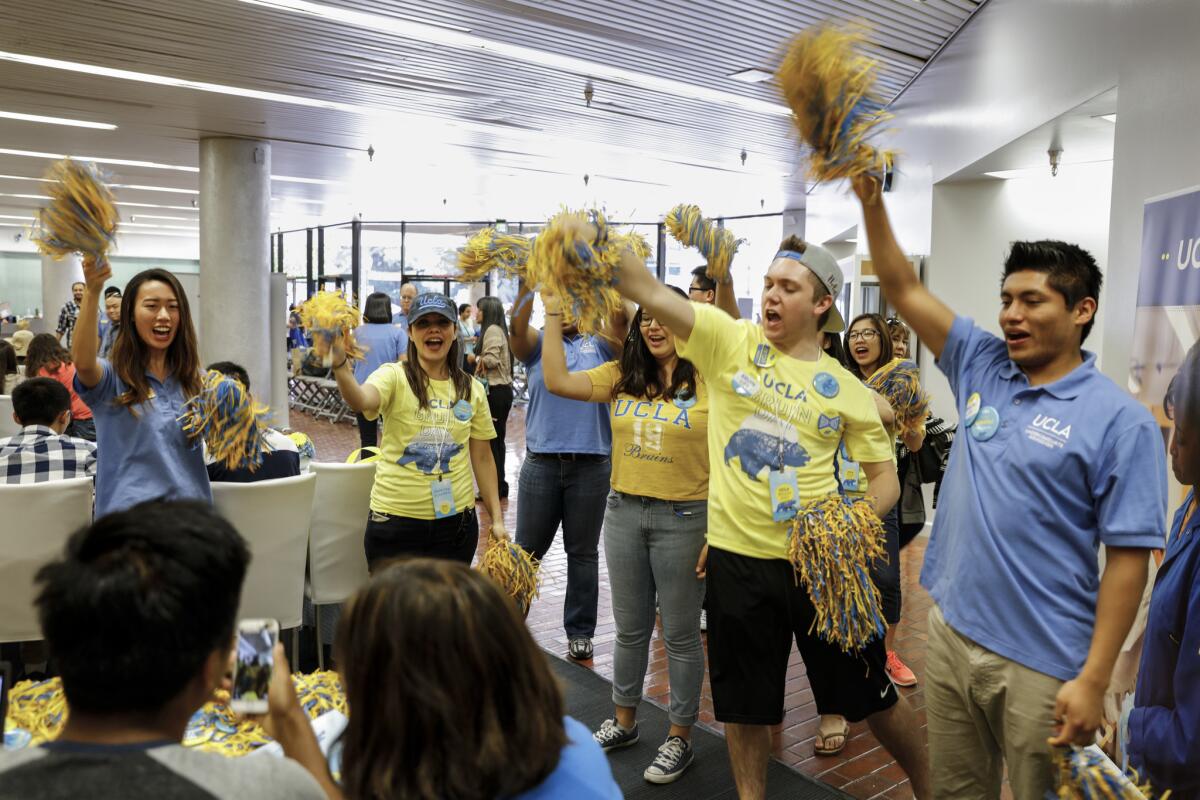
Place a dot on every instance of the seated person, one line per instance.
(41, 452)
(424, 640)
(139, 614)
(281, 457)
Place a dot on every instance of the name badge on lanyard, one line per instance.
(785, 494)
(443, 498)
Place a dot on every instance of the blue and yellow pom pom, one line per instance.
(229, 421)
(490, 249)
(1086, 773)
(691, 229)
(831, 544)
(899, 382)
(830, 87)
(82, 214)
(513, 569)
(579, 270)
(329, 316)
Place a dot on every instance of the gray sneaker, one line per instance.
(612, 736)
(674, 756)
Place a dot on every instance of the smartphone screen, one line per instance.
(255, 658)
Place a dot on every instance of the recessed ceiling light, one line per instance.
(154, 205)
(124, 162)
(152, 188)
(751, 75)
(24, 196)
(12, 216)
(26, 178)
(294, 179)
(76, 123)
(1107, 117)
(157, 216)
(157, 227)
(465, 40)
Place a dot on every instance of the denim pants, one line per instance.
(554, 489)
(651, 547)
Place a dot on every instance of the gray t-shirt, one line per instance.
(60, 770)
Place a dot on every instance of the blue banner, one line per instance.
(1170, 262)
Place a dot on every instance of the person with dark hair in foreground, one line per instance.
(281, 457)
(139, 615)
(1054, 461)
(451, 697)
(42, 451)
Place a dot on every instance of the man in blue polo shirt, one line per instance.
(1053, 461)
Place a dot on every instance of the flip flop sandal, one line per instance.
(822, 750)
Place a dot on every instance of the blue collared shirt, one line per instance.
(143, 457)
(1164, 727)
(384, 344)
(1013, 559)
(555, 424)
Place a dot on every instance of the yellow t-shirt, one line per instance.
(769, 410)
(420, 444)
(659, 447)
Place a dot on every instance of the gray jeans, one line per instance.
(651, 547)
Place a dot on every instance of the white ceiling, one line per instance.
(470, 107)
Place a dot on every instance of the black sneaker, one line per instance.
(580, 648)
(674, 756)
(612, 736)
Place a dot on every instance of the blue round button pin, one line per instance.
(462, 410)
(986, 424)
(826, 385)
(973, 404)
(682, 401)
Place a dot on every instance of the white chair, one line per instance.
(337, 562)
(38, 519)
(273, 516)
(8, 426)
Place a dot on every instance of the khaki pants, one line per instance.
(985, 711)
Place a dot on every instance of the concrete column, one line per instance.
(234, 313)
(57, 277)
(278, 317)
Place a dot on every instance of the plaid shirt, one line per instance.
(66, 320)
(37, 454)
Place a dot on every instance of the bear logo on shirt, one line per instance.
(756, 448)
(425, 455)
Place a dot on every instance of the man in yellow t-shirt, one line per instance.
(778, 408)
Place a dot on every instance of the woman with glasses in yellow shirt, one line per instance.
(655, 522)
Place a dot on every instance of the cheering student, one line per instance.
(1055, 459)
(655, 522)
(385, 343)
(436, 438)
(138, 394)
(778, 408)
(1163, 730)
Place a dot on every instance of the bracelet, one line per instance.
(339, 366)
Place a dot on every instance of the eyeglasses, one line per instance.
(646, 321)
(697, 289)
(866, 336)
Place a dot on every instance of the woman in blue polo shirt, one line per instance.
(137, 397)
(385, 343)
(1164, 726)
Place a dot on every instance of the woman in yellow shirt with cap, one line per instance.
(655, 522)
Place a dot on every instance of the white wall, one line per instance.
(974, 223)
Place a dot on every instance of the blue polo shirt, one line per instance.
(143, 457)
(1013, 558)
(384, 344)
(555, 424)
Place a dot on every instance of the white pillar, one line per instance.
(278, 318)
(57, 277)
(234, 314)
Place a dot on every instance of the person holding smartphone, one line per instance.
(436, 438)
(137, 395)
(655, 522)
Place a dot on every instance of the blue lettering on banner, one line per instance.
(1170, 257)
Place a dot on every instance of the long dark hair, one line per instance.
(492, 311)
(419, 380)
(639, 368)
(378, 308)
(130, 354)
(45, 352)
(432, 653)
(8, 362)
(885, 344)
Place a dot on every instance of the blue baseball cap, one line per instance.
(432, 303)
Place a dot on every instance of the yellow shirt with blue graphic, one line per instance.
(659, 447)
(769, 411)
(419, 445)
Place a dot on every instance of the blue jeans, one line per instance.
(554, 489)
(651, 547)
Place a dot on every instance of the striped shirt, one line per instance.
(66, 321)
(37, 454)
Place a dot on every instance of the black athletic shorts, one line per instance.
(755, 608)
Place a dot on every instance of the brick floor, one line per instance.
(863, 769)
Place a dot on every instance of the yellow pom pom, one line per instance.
(831, 544)
(229, 421)
(1086, 773)
(829, 86)
(490, 249)
(329, 316)
(81, 216)
(899, 382)
(515, 570)
(691, 229)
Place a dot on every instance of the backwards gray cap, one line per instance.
(822, 264)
